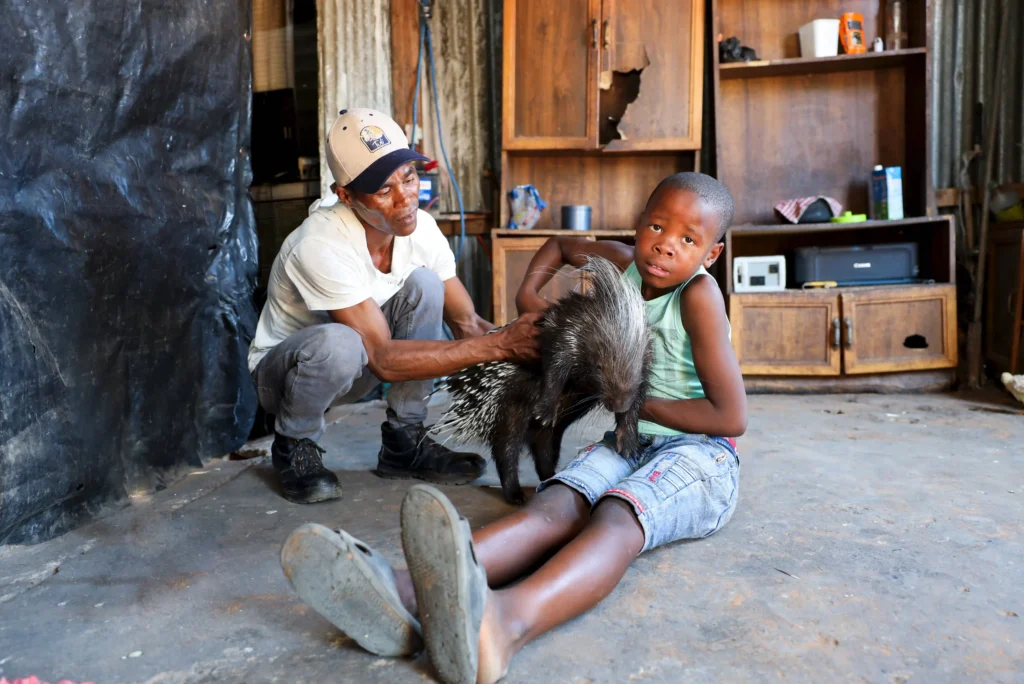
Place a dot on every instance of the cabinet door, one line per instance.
(511, 257)
(1004, 310)
(652, 74)
(899, 329)
(786, 333)
(550, 74)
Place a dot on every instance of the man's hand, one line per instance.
(519, 340)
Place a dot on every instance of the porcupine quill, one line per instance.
(595, 351)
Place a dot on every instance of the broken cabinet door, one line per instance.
(651, 76)
(550, 74)
(899, 328)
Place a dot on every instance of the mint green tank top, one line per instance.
(673, 375)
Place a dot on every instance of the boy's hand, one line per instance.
(519, 340)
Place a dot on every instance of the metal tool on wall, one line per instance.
(974, 355)
(426, 42)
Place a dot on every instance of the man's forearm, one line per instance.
(401, 360)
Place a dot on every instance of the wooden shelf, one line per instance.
(505, 232)
(813, 292)
(797, 228)
(818, 65)
(477, 223)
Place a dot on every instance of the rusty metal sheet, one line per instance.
(965, 35)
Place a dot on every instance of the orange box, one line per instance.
(851, 33)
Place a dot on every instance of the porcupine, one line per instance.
(595, 351)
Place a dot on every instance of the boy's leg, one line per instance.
(471, 631)
(575, 580)
(686, 488)
(512, 546)
(517, 543)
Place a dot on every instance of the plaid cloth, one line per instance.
(793, 209)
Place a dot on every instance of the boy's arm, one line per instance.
(723, 411)
(557, 252)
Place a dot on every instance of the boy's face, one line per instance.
(676, 235)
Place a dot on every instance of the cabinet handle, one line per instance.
(607, 40)
(593, 28)
(835, 332)
(849, 332)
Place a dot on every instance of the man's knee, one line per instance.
(424, 288)
(335, 353)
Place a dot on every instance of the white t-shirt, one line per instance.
(324, 264)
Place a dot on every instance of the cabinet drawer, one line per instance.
(899, 329)
(787, 333)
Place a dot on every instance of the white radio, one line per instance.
(759, 274)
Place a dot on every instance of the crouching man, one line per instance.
(357, 296)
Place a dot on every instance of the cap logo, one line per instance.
(374, 138)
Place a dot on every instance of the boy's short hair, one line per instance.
(708, 189)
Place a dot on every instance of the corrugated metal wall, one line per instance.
(354, 45)
(965, 35)
(459, 31)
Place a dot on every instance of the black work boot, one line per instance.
(304, 479)
(407, 452)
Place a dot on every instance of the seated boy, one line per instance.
(597, 514)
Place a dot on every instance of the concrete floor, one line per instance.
(878, 539)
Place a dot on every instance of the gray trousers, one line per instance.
(323, 365)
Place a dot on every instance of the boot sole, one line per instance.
(389, 473)
(322, 494)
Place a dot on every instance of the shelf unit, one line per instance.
(789, 126)
(934, 236)
(820, 65)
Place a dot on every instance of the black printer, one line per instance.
(884, 264)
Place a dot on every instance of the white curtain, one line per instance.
(273, 67)
(354, 46)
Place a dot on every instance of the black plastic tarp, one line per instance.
(127, 251)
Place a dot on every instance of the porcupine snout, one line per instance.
(618, 403)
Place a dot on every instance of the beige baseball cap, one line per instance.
(364, 147)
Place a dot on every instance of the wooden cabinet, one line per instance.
(1004, 308)
(510, 257)
(855, 331)
(511, 252)
(876, 338)
(611, 74)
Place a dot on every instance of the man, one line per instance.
(357, 296)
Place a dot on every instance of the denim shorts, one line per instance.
(680, 487)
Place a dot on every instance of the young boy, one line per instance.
(595, 516)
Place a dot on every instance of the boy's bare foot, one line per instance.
(406, 592)
(499, 641)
